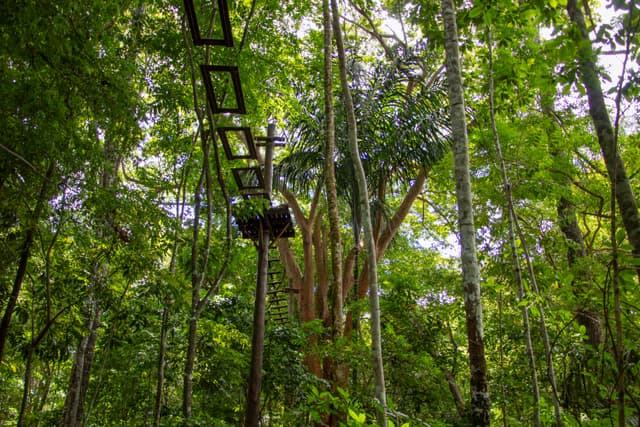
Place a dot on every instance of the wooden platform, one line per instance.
(276, 221)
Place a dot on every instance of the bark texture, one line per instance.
(303, 280)
(470, 268)
(335, 243)
(25, 254)
(586, 314)
(363, 202)
(605, 132)
(73, 412)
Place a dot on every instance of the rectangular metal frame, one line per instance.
(248, 142)
(198, 40)
(233, 72)
(257, 172)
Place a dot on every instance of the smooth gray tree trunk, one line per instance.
(363, 202)
(470, 268)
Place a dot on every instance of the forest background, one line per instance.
(127, 292)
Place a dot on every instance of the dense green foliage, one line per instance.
(111, 214)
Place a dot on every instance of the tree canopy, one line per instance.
(468, 168)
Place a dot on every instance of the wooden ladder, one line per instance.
(277, 292)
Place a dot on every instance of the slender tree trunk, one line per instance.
(196, 285)
(546, 339)
(470, 268)
(335, 244)
(73, 412)
(35, 342)
(162, 351)
(455, 392)
(27, 386)
(586, 315)
(166, 310)
(506, 183)
(25, 254)
(606, 138)
(88, 364)
(70, 411)
(320, 247)
(370, 244)
(501, 380)
(618, 349)
(252, 418)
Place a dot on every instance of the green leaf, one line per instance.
(475, 12)
(359, 417)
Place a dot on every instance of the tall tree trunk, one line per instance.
(470, 268)
(25, 254)
(586, 315)
(196, 286)
(305, 280)
(506, 183)
(166, 310)
(27, 386)
(162, 351)
(383, 240)
(363, 202)
(335, 244)
(73, 412)
(618, 349)
(602, 123)
(252, 418)
(35, 342)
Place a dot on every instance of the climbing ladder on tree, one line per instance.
(277, 295)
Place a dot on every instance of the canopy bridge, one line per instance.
(224, 96)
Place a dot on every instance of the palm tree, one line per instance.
(402, 130)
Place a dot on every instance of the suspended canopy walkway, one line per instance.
(264, 227)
